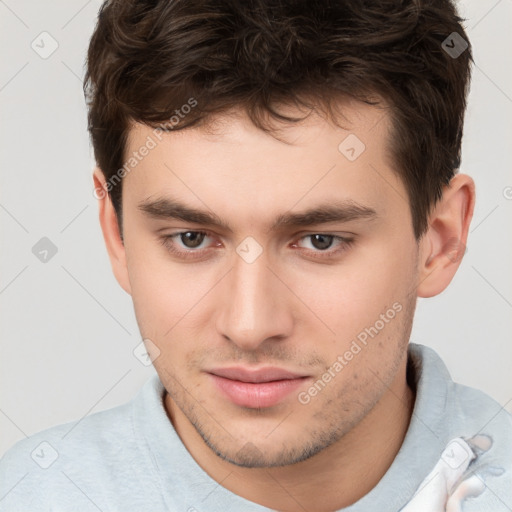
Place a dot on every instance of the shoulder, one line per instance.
(68, 459)
(488, 424)
(452, 410)
(95, 433)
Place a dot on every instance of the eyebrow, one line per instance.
(333, 211)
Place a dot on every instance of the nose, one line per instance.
(255, 305)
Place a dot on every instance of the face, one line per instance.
(256, 284)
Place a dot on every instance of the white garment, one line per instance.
(445, 489)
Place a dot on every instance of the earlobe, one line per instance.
(443, 246)
(111, 235)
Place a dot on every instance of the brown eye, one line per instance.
(192, 239)
(186, 244)
(321, 242)
(321, 246)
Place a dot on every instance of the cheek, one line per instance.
(161, 292)
(367, 303)
(158, 283)
(353, 294)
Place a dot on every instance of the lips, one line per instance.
(260, 388)
(261, 375)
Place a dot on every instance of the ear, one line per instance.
(109, 226)
(444, 244)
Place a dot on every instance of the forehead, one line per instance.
(230, 165)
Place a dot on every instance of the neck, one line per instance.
(356, 462)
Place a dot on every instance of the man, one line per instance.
(278, 182)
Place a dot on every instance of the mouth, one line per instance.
(260, 388)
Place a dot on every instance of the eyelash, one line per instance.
(168, 243)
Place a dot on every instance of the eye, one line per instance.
(185, 244)
(322, 242)
(191, 239)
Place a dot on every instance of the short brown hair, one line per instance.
(147, 58)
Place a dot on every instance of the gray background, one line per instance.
(68, 330)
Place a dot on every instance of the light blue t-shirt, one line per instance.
(456, 456)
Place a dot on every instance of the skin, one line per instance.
(287, 308)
